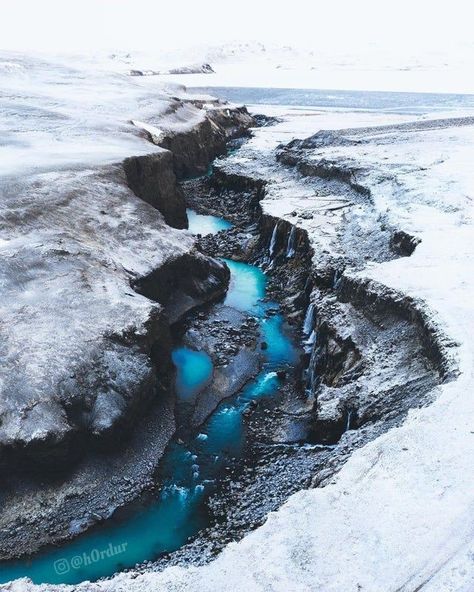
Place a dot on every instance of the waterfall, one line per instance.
(311, 379)
(273, 240)
(290, 248)
(309, 320)
(308, 344)
(349, 417)
(310, 373)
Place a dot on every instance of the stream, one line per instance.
(191, 468)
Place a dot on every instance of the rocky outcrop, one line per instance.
(95, 276)
(184, 154)
(184, 283)
(87, 365)
(194, 149)
(100, 365)
(196, 69)
(325, 168)
(404, 244)
(152, 178)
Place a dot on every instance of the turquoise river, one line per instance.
(190, 468)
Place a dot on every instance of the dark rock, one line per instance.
(194, 150)
(152, 178)
(403, 244)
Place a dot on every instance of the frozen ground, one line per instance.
(398, 516)
(69, 111)
(270, 65)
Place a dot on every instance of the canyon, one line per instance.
(350, 229)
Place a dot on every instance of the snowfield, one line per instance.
(259, 65)
(398, 516)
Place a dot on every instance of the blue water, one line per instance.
(204, 224)
(390, 102)
(247, 288)
(194, 371)
(189, 470)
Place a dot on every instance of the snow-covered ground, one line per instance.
(265, 65)
(398, 516)
(73, 111)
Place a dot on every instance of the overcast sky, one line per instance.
(71, 25)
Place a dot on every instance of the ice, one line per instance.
(290, 248)
(309, 320)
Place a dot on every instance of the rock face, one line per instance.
(184, 283)
(152, 178)
(96, 265)
(196, 148)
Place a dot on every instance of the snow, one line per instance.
(398, 516)
(155, 133)
(72, 111)
(271, 65)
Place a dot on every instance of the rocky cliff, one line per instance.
(96, 269)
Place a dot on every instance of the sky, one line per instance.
(332, 25)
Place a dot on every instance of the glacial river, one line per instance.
(191, 469)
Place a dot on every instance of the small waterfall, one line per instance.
(312, 377)
(308, 344)
(309, 320)
(348, 422)
(311, 381)
(273, 240)
(290, 248)
(336, 280)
